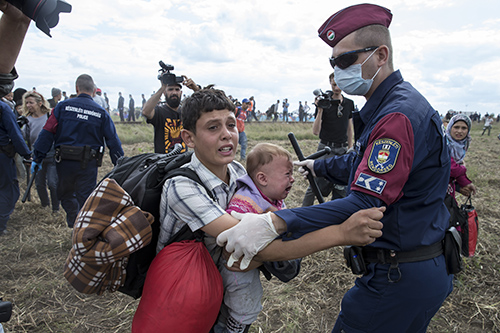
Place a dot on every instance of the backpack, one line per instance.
(142, 177)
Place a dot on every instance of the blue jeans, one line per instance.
(242, 141)
(47, 176)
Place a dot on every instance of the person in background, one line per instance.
(488, 120)
(251, 109)
(306, 111)
(276, 114)
(18, 101)
(301, 112)
(56, 97)
(166, 117)
(107, 101)
(37, 111)
(131, 108)
(335, 129)
(9, 100)
(285, 110)
(458, 138)
(121, 103)
(241, 115)
(100, 100)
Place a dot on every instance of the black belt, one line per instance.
(333, 144)
(385, 256)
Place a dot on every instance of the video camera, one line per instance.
(44, 12)
(324, 98)
(166, 77)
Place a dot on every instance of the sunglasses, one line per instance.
(348, 58)
(340, 108)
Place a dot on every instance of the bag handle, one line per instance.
(468, 200)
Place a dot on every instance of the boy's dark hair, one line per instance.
(205, 100)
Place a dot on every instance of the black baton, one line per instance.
(310, 177)
(32, 179)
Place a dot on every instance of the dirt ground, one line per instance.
(33, 254)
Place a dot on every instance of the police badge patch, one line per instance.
(383, 155)
(371, 183)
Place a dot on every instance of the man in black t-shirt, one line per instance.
(335, 129)
(166, 117)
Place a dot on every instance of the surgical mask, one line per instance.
(350, 80)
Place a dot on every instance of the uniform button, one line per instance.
(289, 235)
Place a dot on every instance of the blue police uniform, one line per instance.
(402, 162)
(10, 134)
(77, 122)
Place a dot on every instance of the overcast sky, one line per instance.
(449, 50)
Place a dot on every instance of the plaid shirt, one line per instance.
(185, 201)
(109, 227)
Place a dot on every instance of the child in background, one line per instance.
(263, 189)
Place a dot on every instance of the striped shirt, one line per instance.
(185, 201)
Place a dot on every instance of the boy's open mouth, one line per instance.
(226, 149)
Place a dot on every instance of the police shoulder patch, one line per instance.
(371, 183)
(383, 155)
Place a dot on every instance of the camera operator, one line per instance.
(166, 116)
(334, 125)
(13, 27)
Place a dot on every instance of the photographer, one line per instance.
(13, 27)
(166, 117)
(333, 123)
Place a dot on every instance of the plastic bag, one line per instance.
(182, 293)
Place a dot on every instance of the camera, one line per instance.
(166, 77)
(44, 12)
(324, 98)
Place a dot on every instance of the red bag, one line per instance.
(469, 229)
(182, 293)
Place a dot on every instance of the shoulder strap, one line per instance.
(185, 232)
(188, 173)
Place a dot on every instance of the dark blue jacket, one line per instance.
(78, 122)
(10, 131)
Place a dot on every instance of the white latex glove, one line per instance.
(253, 233)
(309, 164)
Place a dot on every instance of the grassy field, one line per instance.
(33, 254)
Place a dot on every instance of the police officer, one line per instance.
(13, 27)
(11, 141)
(401, 161)
(78, 127)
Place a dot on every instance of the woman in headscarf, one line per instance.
(458, 138)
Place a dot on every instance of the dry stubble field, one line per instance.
(33, 254)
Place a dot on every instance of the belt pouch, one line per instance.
(71, 153)
(8, 150)
(354, 259)
(452, 249)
